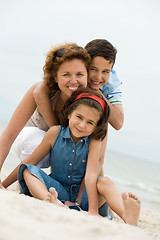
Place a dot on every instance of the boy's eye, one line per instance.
(92, 69)
(106, 71)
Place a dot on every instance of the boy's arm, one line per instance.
(112, 91)
(91, 176)
(41, 95)
(38, 154)
(116, 117)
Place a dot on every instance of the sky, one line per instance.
(28, 29)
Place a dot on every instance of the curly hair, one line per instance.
(71, 104)
(54, 60)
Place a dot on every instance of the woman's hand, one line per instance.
(94, 213)
(1, 186)
(68, 203)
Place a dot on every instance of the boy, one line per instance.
(101, 77)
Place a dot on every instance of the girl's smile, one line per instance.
(83, 121)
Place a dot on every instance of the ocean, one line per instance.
(135, 175)
(130, 174)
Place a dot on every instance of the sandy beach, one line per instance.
(23, 217)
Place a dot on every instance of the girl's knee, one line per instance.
(103, 182)
(26, 173)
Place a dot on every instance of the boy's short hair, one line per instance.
(101, 48)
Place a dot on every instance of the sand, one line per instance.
(23, 217)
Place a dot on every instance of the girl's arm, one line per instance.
(18, 120)
(100, 165)
(42, 99)
(39, 153)
(91, 176)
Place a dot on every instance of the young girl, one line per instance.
(85, 114)
(101, 77)
(65, 70)
(103, 55)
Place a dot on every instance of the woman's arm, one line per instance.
(91, 176)
(41, 96)
(18, 120)
(39, 153)
(81, 189)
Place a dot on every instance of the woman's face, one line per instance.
(99, 72)
(70, 76)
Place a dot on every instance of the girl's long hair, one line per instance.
(102, 125)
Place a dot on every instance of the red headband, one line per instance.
(92, 96)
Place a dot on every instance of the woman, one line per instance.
(98, 48)
(73, 61)
(101, 76)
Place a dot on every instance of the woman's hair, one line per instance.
(58, 55)
(75, 100)
(101, 48)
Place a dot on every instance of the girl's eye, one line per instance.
(79, 117)
(79, 74)
(91, 123)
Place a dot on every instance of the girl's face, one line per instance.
(83, 121)
(99, 72)
(70, 76)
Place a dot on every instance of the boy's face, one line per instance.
(99, 72)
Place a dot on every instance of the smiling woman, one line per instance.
(70, 76)
(63, 74)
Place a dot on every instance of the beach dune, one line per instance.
(23, 217)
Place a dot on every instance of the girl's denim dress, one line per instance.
(68, 165)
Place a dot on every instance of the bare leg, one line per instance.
(102, 154)
(126, 208)
(111, 194)
(39, 190)
(53, 197)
